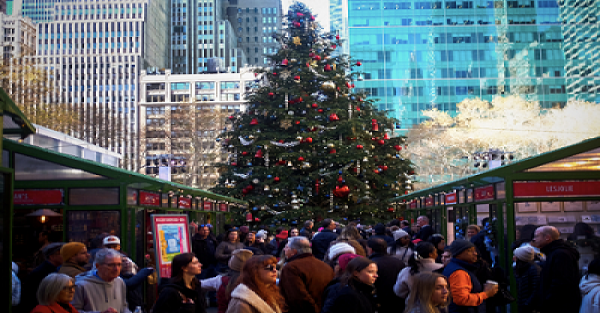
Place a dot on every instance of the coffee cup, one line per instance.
(491, 282)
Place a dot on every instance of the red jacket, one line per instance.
(53, 308)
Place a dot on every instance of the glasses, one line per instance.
(270, 268)
(70, 288)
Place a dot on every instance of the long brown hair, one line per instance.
(250, 277)
(421, 292)
(179, 262)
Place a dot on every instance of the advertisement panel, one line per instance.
(38, 196)
(171, 237)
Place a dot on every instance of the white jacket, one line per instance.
(590, 291)
(404, 281)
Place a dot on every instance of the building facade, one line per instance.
(203, 40)
(419, 55)
(18, 36)
(3, 6)
(255, 22)
(181, 117)
(94, 51)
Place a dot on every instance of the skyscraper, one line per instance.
(203, 40)
(419, 55)
(254, 22)
(18, 36)
(94, 51)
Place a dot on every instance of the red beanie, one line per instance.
(344, 259)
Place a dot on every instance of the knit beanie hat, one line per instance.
(70, 249)
(524, 253)
(340, 248)
(460, 245)
(379, 229)
(262, 234)
(238, 258)
(244, 229)
(282, 235)
(345, 259)
(399, 234)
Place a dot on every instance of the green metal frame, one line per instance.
(509, 174)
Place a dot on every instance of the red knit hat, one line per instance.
(344, 259)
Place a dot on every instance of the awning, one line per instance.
(13, 120)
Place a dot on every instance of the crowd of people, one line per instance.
(390, 268)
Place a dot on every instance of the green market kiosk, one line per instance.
(559, 188)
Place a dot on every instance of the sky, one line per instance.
(320, 8)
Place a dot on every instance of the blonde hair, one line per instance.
(421, 292)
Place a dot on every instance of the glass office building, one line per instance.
(419, 55)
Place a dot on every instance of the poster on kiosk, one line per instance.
(171, 237)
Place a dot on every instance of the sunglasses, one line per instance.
(270, 268)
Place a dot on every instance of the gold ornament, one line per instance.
(297, 41)
(328, 86)
(334, 66)
(286, 124)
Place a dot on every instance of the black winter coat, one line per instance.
(528, 285)
(330, 294)
(320, 243)
(171, 297)
(356, 297)
(424, 233)
(560, 278)
(204, 249)
(134, 285)
(388, 268)
(306, 233)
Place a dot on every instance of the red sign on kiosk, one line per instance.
(451, 198)
(413, 204)
(207, 205)
(149, 198)
(429, 201)
(484, 193)
(223, 207)
(38, 196)
(556, 189)
(185, 203)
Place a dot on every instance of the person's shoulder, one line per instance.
(41, 309)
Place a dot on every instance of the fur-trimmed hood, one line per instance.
(243, 293)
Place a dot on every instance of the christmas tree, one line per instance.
(309, 146)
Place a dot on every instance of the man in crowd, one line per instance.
(380, 233)
(468, 293)
(320, 243)
(101, 289)
(405, 225)
(75, 256)
(304, 277)
(53, 260)
(425, 230)
(307, 229)
(477, 235)
(204, 246)
(560, 272)
(388, 269)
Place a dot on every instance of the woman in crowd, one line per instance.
(230, 243)
(55, 293)
(430, 294)
(439, 243)
(257, 291)
(402, 248)
(422, 260)
(224, 284)
(294, 232)
(527, 274)
(332, 289)
(357, 293)
(590, 288)
(182, 294)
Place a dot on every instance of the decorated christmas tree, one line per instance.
(309, 146)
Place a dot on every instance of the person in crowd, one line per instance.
(307, 229)
(182, 294)
(402, 248)
(380, 233)
(224, 284)
(320, 242)
(439, 243)
(332, 289)
(244, 230)
(430, 294)
(75, 257)
(479, 241)
(101, 289)
(294, 232)
(560, 271)
(43, 240)
(223, 236)
(261, 244)
(230, 243)
(281, 239)
(590, 288)
(357, 293)
(425, 230)
(336, 250)
(95, 245)
(472, 230)
(524, 236)
(468, 293)
(30, 284)
(352, 237)
(16, 286)
(304, 278)
(405, 226)
(55, 294)
(388, 269)
(128, 266)
(257, 291)
(527, 275)
(446, 256)
(204, 246)
(422, 260)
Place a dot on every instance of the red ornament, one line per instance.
(332, 151)
(337, 37)
(312, 54)
(341, 192)
(340, 179)
(333, 46)
(314, 105)
(381, 142)
(398, 147)
(297, 122)
(312, 18)
(390, 209)
(300, 159)
(274, 74)
(233, 163)
(248, 217)
(358, 109)
(348, 84)
(297, 24)
(386, 136)
(285, 62)
(299, 14)
(245, 153)
(254, 122)
(375, 127)
(355, 169)
(376, 171)
(256, 219)
(280, 140)
(358, 63)
(327, 67)
(231, 117)
(299, 100)
(259, 154)
(333, 117)
(276, 179)
(317, 57)
(359, 147)
(385, 167)
(309, 140)
(352, 85)
(297, 78)
(250, 187)
(307, 65)
(320, 111)
(271, 94)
